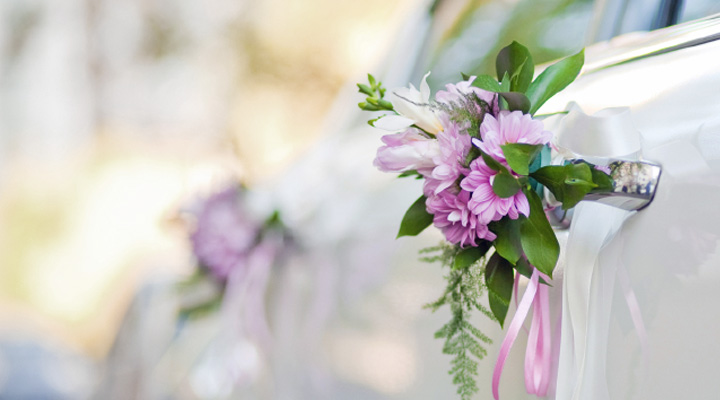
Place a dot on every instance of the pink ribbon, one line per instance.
(538, 354)
(244, 299)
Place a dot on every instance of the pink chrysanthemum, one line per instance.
(225, 233)
(454, 144)
(487, 205)
(510, 127)
(453, 217)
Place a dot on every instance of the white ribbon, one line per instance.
(608, 133)
(587, 289)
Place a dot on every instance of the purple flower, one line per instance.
(603, 168)
(487, 205)
(406, 151)
(510, 127)
(463, 94)
(224, 234)
(454, 144)
(453, 217)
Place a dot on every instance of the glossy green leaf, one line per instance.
(554, 79)
(519, 156)
(487, 82)
(505, 83)
(505, 184)
(603, 181)
(468, 256)
(416, 219)
(508, 243)
(516, 61)
(516, 101)
(491, 162)
(499, 278)
(569, 183)
(575, 191)
(537, 236)
(524, 268)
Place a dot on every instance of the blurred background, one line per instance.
(115, 114)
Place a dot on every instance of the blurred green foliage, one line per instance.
(550, 29)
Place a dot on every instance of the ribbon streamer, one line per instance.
(588, 289)
(538, 355)
(513, 330)
(539, 351)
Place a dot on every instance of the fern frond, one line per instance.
(463, 340)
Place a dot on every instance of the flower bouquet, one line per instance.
(483, 156)
(235, 251)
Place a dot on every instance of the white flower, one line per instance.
(414, 108)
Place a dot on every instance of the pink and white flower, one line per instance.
(405, 151)
(510, 127)
(487, 205)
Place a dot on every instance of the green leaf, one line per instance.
(508, 243)
(569, 183)
(554, 79)
(516, 101)
(467, 257)
(575, 191)
(524, 268)
(519, 156)
(416, 219)
(505, 184)
(516, 61)
(491, 162)
(537, 236)
(487, 82)
(499, 278)
(603, 181)
(505, 83)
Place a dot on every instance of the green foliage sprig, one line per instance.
(463, 340)
(375, 92)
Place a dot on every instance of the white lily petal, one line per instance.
(410, 95)
(393, 123)
(414, 104)
(425, 89)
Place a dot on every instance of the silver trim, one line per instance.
(626, 48)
